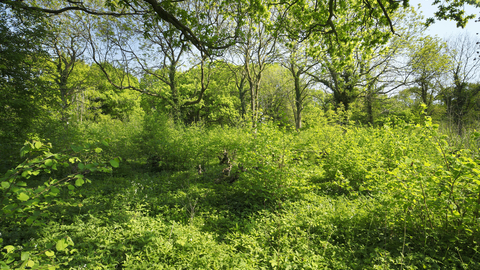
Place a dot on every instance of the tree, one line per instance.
(301, 19)
(192, 20)
(21, 66)
(459, 97)
(166, 45)
(254, 54)
(341, 75)
(275, 95)
(67, 44)
(383, 63)
(426, 65)
(240, 78)
(353, 67)
(299, 64)
(154, 50)
(220, 104)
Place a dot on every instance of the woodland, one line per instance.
(234, 134)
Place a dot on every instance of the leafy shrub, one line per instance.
(25, 202)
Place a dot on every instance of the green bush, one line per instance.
(27, 202)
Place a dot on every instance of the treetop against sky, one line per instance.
(447, 28)
(212, 25)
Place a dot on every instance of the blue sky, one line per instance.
(445, 29)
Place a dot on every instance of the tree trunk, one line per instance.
(173, 88)
(298, 100)
(241, 94)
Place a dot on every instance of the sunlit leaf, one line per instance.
(25, 149)
(61, 244)
(30, 263)
(9, 248)
(38, 145)
(5, 184)
(25, 255)
(79, 182)
(23, 197)
(48, 162)
(49, 253)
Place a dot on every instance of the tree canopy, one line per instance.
(215, 25)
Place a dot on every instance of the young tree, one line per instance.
(298, 62)
(254, 54)
(240, 78)
(66, 44)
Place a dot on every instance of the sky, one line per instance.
(446, 29)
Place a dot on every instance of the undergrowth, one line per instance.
(330, 197)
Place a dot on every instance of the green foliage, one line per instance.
(101, 99)
(427, 62)
(330, 196)
(211, 192)
(277, 92)
(21, 63)
(442, 193)
(28, 202)
(120, 135)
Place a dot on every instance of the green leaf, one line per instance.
(71, 187)
(79, 182)
(81, 166)
(39, 189)
(115, 163)
(30, 263)
(9, 248)
(38, 145)
(26, 173)
(23, 197)
(70, 241)
(5, 184)
(25, 255)
(49, 253)
(25, 150)
(30, 220)
(61, 244)
(48, 162)
(55, 191)
(98, 150)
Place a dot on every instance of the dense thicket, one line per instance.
(233, 134)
